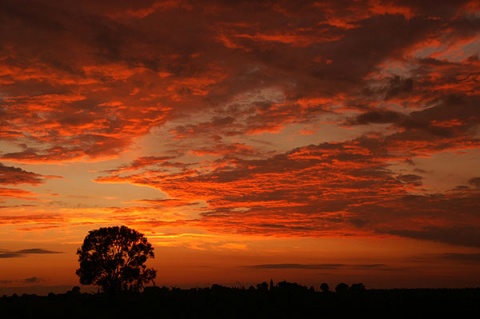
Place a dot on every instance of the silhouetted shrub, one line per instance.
(341, 288)
(357, 288)
(324, 287)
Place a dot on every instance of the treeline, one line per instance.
(264, 300)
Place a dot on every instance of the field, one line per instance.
(287, 300)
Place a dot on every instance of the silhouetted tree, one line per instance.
(341, 288)
(75, 291)
(291, 286)
(114, 259)
(358, 287)
(324, 287)
(262, 286)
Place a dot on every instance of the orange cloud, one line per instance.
(14, 176)
(6, 192)
(218, 91)
(383, 7)
(263, 188)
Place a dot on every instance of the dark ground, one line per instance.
(285, 300)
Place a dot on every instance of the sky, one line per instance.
(307, 141)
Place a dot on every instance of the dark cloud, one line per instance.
(469, 258)
(37, 251)
(306, 51)
(379, 117)
(29, 280)
(398, 86)
(32, 280)
(475, 182)
(466, 235)
(411, 179)
(315, 266)
(451, 119)
(13, 176)
(298, 266)
(10, 175)
(24, 252)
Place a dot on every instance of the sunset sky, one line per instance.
(308, 141)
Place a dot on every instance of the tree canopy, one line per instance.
(114, 259)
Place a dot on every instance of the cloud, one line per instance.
(29, 280)
(410, 179)
(209, 102)
(324, 51)
(39, 217)
(339, 189)
(470, 258)
(32, 280)
(450, 123)
(315, 266)
(466, 235)
(14, 175)
(276, 198)
(24, 252)
(6, 192)
(378, 117)
(475, 182)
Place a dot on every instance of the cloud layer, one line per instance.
(275, 118)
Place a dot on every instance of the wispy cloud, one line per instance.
(470, 258)
(316, 266)
(32, 280)
(29, 280)
(14, 176)
(25, 252)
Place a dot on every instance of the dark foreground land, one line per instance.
(288, 300)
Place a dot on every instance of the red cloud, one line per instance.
(280, 184)
(15, 193)
(85, 82)
(14, 176)
(335, 189)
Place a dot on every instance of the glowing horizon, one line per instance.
(313, 141)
